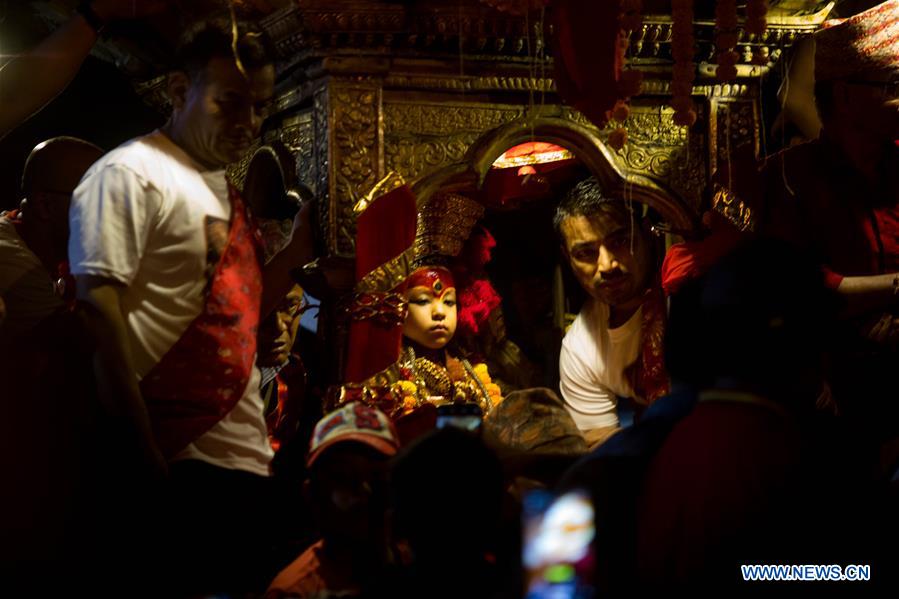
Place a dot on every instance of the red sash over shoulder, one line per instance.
(203, 376)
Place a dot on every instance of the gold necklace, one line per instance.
(434, 376)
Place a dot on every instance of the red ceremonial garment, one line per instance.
(203, 376)
(648, 376)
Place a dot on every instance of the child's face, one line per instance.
(431, 320)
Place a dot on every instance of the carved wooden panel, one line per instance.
(420, 138)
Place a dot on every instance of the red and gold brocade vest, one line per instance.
(203, 376)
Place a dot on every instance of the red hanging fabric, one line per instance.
(586, 55)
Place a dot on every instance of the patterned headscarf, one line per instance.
(864, 46)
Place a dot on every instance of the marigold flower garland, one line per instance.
(726, 39)
(630, 81)
(684, 72)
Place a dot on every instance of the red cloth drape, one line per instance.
(586, 55)
(383, 231)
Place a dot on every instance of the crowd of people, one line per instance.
(162, 436)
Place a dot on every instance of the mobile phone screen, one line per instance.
(465, 416)
(468, 423)
(558, 545)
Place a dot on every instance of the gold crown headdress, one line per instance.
(444, 225)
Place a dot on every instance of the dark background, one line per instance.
(100, 105)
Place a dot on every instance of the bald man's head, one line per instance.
(51, 174)
(56, 166)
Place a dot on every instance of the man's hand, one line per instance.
(115, 10)
(100, 308)
(871, 294)
(883, 330)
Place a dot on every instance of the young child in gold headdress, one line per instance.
(430, 372)
(416, 293)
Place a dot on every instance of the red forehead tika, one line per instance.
(437, 280)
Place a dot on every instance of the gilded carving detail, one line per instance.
(659, 149)
(736, 128)
(413, 158)
(656, 148)
(297, 135)
(237, 172)
(356, 129)
(440, 119)
(288, 98)
(654, 125)
(421, 138)
(726, 203)
(483, 83)
(687, 173)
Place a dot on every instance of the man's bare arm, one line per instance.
(100, 308)
(28, 82)
(868, 293)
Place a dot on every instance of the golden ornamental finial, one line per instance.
(390, 182)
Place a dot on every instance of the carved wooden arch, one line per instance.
(582, 141)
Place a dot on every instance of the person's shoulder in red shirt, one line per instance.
(311, 574)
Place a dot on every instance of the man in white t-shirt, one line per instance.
(610, 255)
(169, 273)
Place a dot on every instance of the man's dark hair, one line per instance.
(215, 39)
(587, 199)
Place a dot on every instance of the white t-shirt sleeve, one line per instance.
(112, 213)
(590, 403)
